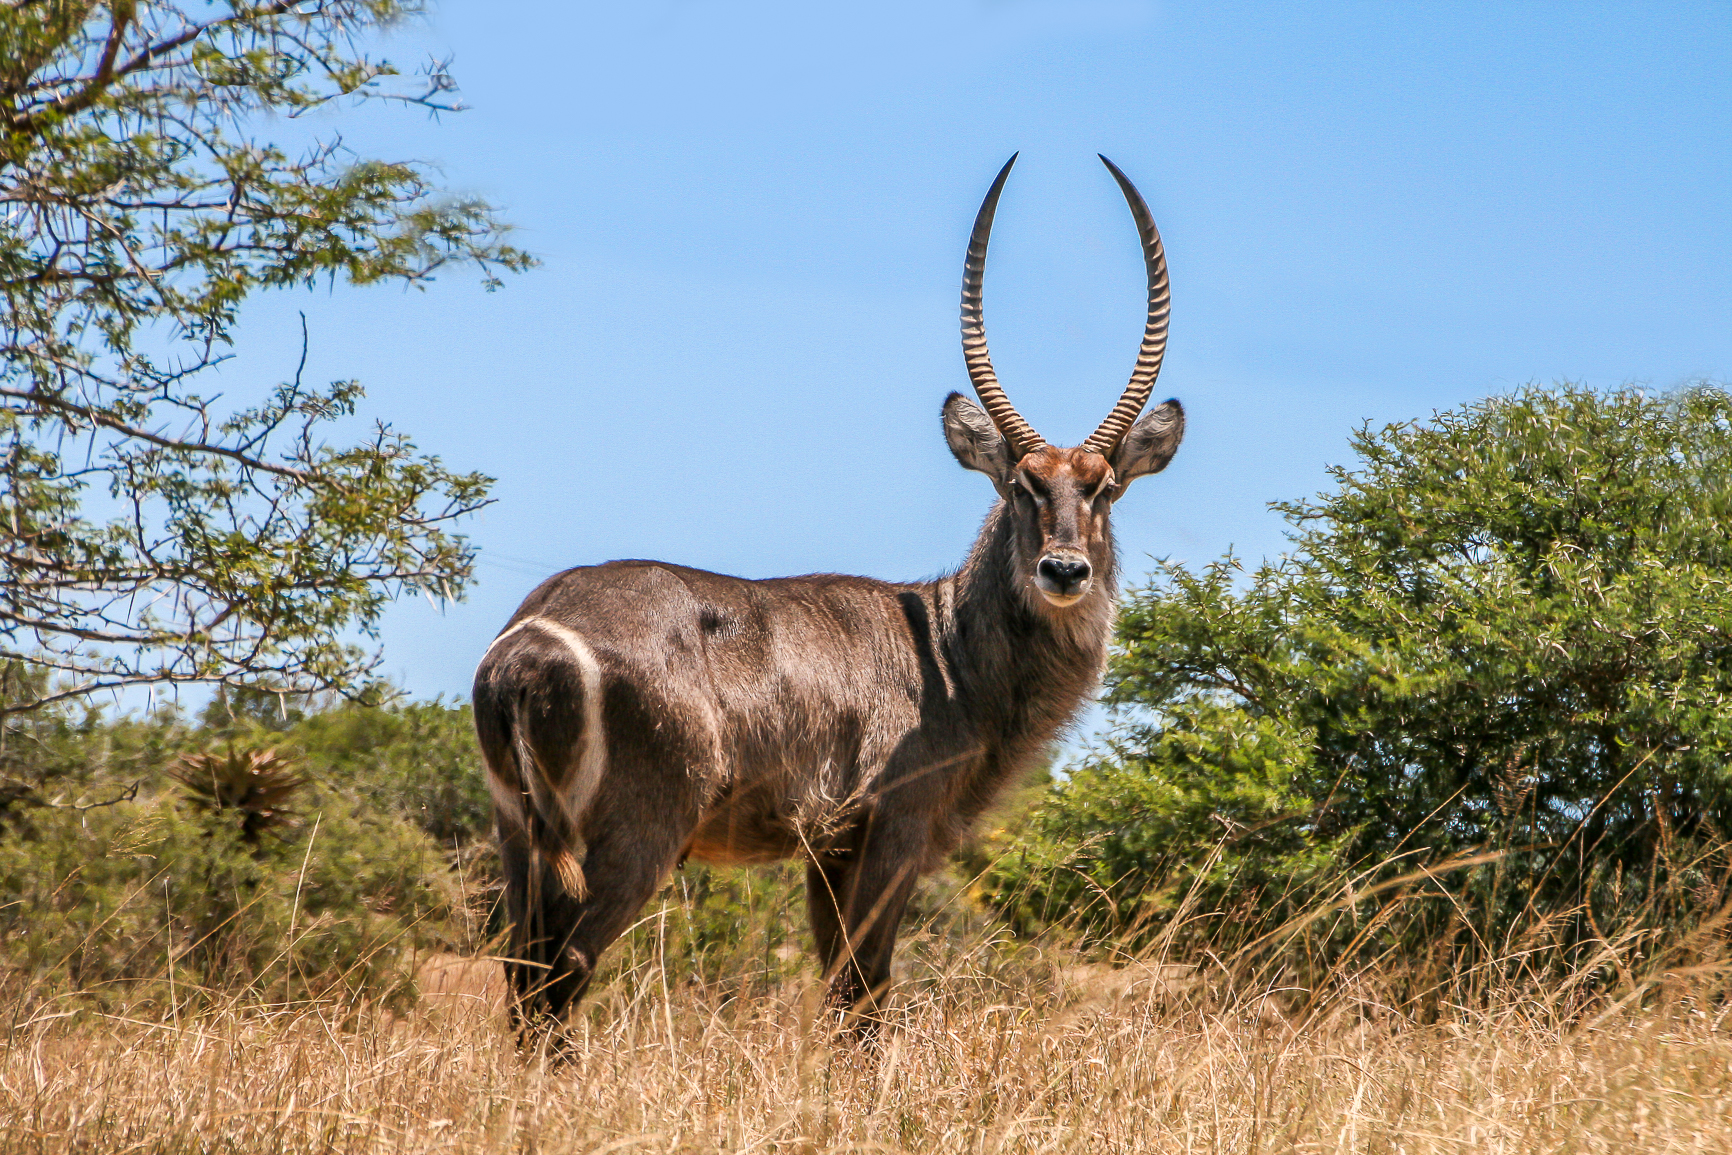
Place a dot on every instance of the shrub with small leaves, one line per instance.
(1479, 712)
(232, 873)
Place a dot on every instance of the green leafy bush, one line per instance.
(163, 894)
(418, 759)
(1477, 714)
(1122, 843)
(273, 847)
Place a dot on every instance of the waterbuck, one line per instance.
(636, 714)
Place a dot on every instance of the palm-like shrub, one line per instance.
(254, 787)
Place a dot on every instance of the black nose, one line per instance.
(1063, 572)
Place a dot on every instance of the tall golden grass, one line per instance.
(990, 1047)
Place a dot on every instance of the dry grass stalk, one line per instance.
(991, 1051)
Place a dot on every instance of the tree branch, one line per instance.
(96, 417)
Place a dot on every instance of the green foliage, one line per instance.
(1506, 634)
(162, 896)
(141, 209)
(417, 759)
(734, 931)
(70, 754)
(1122, 844)
(276, 850)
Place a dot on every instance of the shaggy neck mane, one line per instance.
(1025, 665)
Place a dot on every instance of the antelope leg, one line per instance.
(856, 910)
(559, 936)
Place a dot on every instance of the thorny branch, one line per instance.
(149, 534)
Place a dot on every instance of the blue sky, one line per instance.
(752, 219)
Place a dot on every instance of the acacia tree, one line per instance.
(151, 533)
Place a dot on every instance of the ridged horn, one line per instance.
(1136, 395)
(1023, 439)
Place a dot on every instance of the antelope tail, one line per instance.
(545, 752)
(550, 822)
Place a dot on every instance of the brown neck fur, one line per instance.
(1020, 667)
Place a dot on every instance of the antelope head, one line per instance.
(1059, 501)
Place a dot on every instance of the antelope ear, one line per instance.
(976, 441)
(1150, 444)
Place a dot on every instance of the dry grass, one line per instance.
(991, 1051)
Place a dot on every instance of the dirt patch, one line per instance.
(450, 982)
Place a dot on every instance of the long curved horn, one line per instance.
(1106, 439)
(1023, 439)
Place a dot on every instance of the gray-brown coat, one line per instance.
(637, 713)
